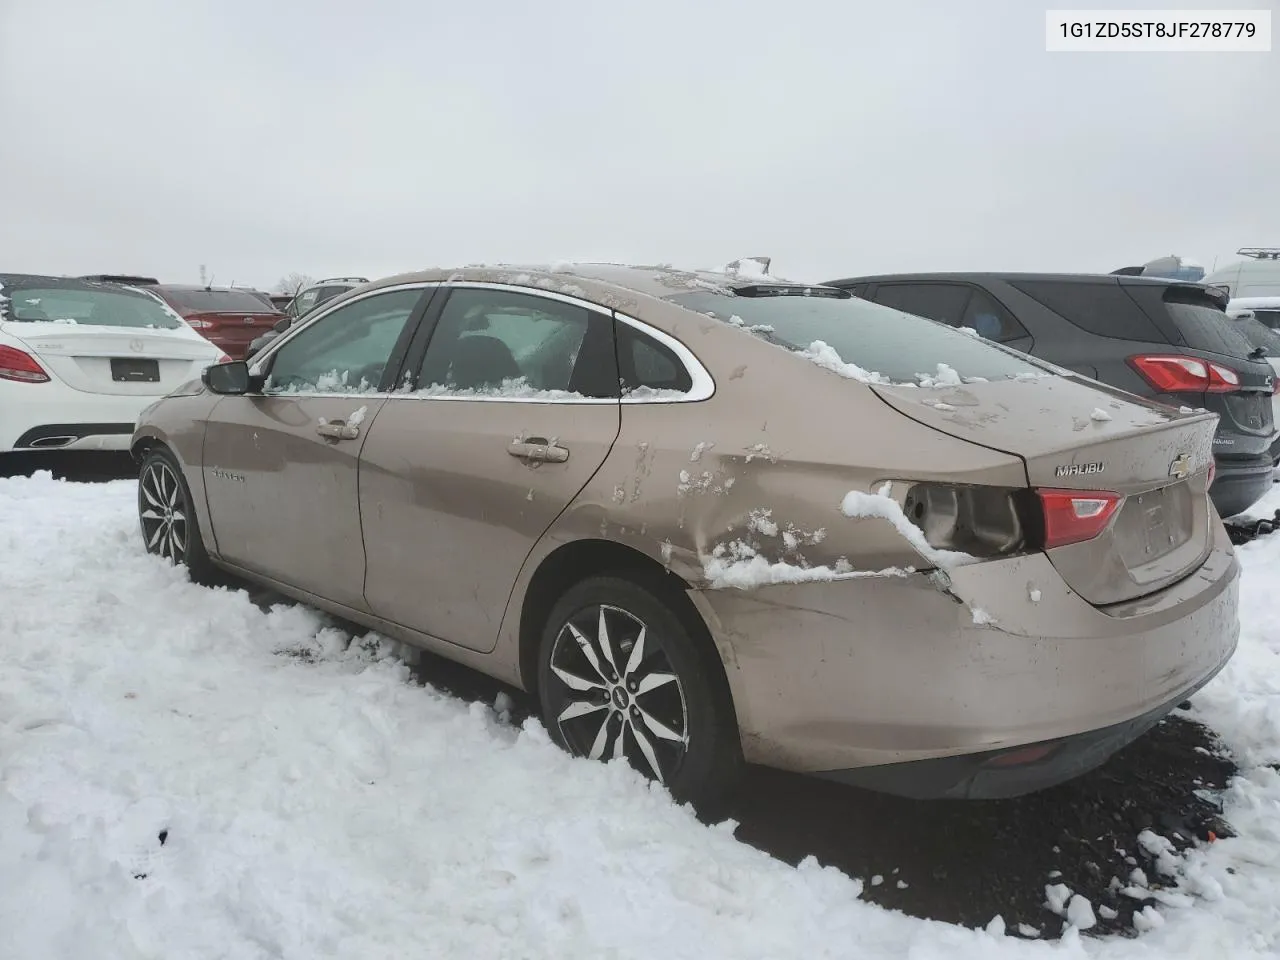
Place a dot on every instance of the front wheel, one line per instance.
(169, 525)
(621, 675)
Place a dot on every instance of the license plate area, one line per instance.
(130, 370)
(1154, 524)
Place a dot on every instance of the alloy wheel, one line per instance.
(163, 512)
(615, 692)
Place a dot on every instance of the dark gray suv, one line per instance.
(1159, 338)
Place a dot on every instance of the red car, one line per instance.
(225, 316)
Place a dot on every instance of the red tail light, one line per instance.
(1073, 516)
(197, 324)
(1213, 471)
(222, 358)
(1173, 374)
(20, 366)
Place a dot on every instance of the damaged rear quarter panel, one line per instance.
(767, 460)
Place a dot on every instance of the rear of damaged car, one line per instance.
(930, 565)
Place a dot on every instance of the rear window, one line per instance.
(1100, 307)
(1258, 334)
(1268, 318)
(216, 301)
(900, 346)
(1203, 324)
(96, 308)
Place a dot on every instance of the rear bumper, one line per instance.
(999, 774)
(1240, 482)
(32, 413)
(830, 677)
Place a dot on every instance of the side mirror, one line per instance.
(227, 378)
(283, 324)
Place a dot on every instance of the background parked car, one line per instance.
(1257, 275)
(127, 279)
(696, 537)
(1266, 310)
(302, 304)
(1165, 339)
(226, 316)
(79, 360)
(311, 297)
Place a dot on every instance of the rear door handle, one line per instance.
(337, 430)
(538, 450)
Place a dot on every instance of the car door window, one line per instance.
(944, 302)
(990, 319)
(503, 343)
(346, 351)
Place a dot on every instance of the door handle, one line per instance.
(538, 450)
(337, 430)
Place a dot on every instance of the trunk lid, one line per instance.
(129, 361)
(1074, 434)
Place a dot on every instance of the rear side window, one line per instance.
(216, 301)
(643, 362)
(1099, 307)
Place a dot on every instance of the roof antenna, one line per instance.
(209, 285)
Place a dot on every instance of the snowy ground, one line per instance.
(314, 803)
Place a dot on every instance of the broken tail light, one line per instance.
(988, 522)
(978, 520)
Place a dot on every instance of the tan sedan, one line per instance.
(709, 517)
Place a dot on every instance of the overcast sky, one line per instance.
(840, 137)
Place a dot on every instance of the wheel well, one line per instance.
(576, 561)
(142, 446)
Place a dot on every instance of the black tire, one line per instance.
(169, 525)
(704, 764)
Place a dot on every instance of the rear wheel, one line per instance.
(169, 525)
(621, 675)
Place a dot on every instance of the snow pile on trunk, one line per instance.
(313, 803)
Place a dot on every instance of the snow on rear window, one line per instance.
(862, 340)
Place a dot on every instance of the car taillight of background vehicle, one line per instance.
(20, 366)
(1173, 374)
(198, 324)
(1073, 516)
(222, 358)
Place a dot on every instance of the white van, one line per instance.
(1258, 275)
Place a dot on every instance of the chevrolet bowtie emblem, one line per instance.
(1180, 467)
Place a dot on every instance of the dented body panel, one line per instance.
(778, 495)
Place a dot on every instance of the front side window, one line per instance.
(83, 306)
(496, 343)
(862, 339)
(346, 351)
